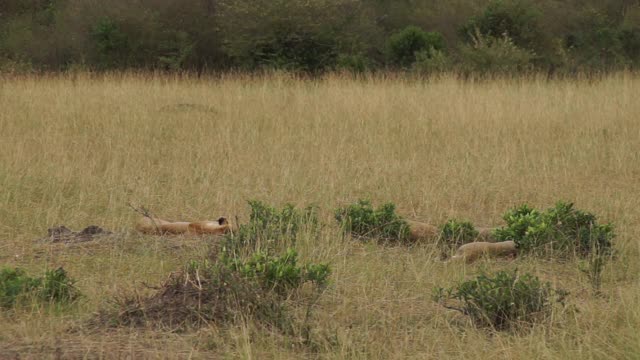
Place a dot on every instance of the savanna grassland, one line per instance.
(76, 149)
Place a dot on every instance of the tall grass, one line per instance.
(75, 149)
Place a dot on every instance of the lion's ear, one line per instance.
(223, 220)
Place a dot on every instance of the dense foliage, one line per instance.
(561, 230)
(53, 287)
(503, 300)
(503, 36)
(363, 220)
(455, 232)
(269, 227)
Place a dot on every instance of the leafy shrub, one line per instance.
(362, 219)
(112, 44)
(55, 286)
(431, 61)
(261, 287)
(174, 50)
(501, 301)
(302, 36)
(455, 233)
(596, 42)
(295, 51)
(354, 63)
(268, 225)
(405, 44)
(561, 229)
(13, 284)
(494, 56)
(516, 19)
(630, 39)
(278, 273)
(629, 34)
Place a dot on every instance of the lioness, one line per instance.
(472, 251)
(419, 231)
(157, 226)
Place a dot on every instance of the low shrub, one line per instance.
(353, 63)
(431, 61)
(278, 273)
(406, 43)
(456, 232)
(13, 284)
(488, 55)
(268, 225)
(54, 287)
(503, 301)
(518, 19)
(562, 230)
(363, 220)
(596, 42)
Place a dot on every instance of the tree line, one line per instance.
(314, 36)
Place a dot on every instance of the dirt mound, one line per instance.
(191, 298)
(62, 234)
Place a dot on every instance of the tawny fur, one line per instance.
(159, 226)
(485, 234)
(473, 251)
(420, 231)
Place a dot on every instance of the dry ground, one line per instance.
(75, 150)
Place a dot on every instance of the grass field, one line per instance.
(76, 149)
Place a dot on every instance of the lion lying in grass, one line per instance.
(419, 230)
(473, 251)
(157, 226)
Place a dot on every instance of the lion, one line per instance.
(419, 230)
(473, 251)
(157, 226)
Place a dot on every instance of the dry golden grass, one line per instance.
(76, 149)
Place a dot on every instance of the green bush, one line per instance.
(362, 219)
(305, 36)
(295, 51)
(408, 42)
(278, 273)
(630, 39)
(503, 301)
(596, 42)
(13, 284)
(174, 50)
(487, 55)
(354, 63)
(516, 19)
(454, 233)
(561, 230)
(112, 44)
(54, 287)
(269, 226)
(629, 34)
(431, 61)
